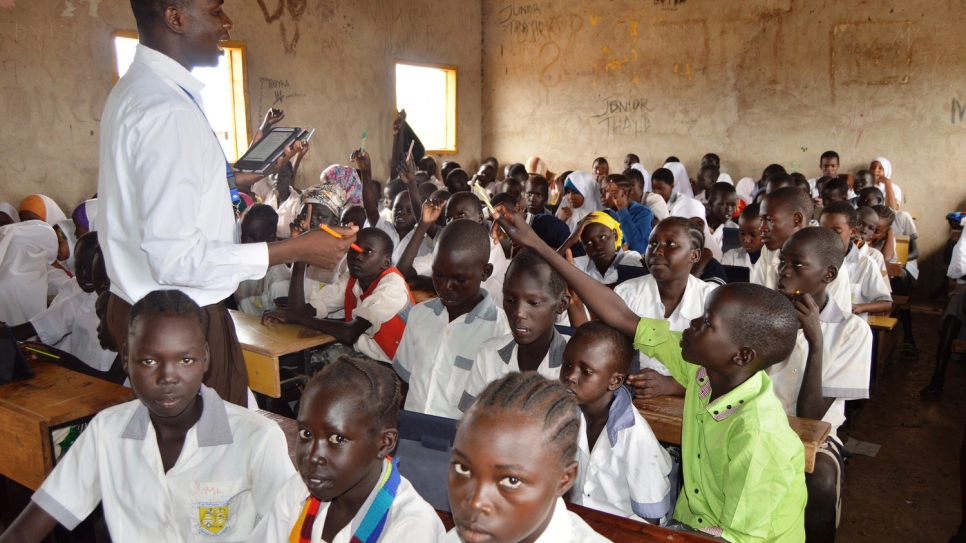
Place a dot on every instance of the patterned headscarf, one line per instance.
(347, 178)
(328, 194)
(605, 219)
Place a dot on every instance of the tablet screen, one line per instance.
(263, 151)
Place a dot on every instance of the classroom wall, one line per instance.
(756, 81)
(329, 65)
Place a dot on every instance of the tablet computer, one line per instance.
(260, 158)
(13, 365)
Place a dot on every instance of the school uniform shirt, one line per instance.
(399, 245)
(164, 210)
(435, 355)
(70, 324)
(896, 191)
(423, 265)
(287, 210)
(957, 263)
(867, 283)
(876, 256)
(747, 189)
(744, 467)
(684, 206)
(766, 275)
(387, 300)
(738, 257)
(846, 363)
(621, 258)
(626, 472)
(564, 527)
(411, 519)
(497, 357)
(642, 296)
(27, 249)
(257, 296)
(904, 225)
(231, 466)
(725, 178)
(658, 206)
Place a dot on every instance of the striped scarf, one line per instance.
(373, 523)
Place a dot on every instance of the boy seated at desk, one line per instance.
(178, 462)
(749, 235)
(829, 364)
(743, 465)
(256, 296)
(373, 295)
(444, 334)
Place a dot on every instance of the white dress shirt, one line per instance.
(622, 258)
(423, 265)
(746, 189)
(257, 296)
(904, 225)
(685, 206)
(737, 257)
(399, 245)
(231, 466)
(766, 275)
(846, 363)
(164, 207)
(564, 527)
(867, 283)
(411, 519)
(70, 324)
(435, 356)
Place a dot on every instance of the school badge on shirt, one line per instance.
(213, 500)
(213, 519)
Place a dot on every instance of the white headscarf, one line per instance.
(69, 229)
(682, 183)
(586, 185)
(647, 176)
(886, 166)
(27, 250)
(10, 210)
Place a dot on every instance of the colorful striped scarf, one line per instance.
(373, 523)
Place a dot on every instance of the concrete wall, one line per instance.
(329, 65)
(756, 81)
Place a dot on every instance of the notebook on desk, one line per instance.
(13, 364)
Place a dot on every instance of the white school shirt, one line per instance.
(388, 299)
(435, 356)
(737, 257)
(70, 324)
(957, 264)
(623, 258)
(866, 280)
(725, 178)
(643, 298)
(765, 274)
(846, 363)
(411, 519)
(497, 357)
(904, 225)
(684, 206)
(399, 245)
(564, 527)
(164, 211)
(256, 296)
(657, 204)
(875, 255)
(626, 473)
(423, 265)
(896, 191)
(231, 466)
(287, 210)
(746, 189)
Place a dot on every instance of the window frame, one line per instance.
(452, 89)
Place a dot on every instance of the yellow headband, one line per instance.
(603, 218)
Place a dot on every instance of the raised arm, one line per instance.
(431, 211)
(602, 301)
(370, 200)
(890, 194)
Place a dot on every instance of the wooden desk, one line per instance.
(422, 295)
(879, 322)
(54, 397)
(262, 346)
(664, 415)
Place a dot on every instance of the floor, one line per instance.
(909, 491)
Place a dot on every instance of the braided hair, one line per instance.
(529, 394)
(375, 386)
(885, 212)
(694, 230)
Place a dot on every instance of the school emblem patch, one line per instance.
(213, 519)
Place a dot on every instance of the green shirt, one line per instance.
(743, 465)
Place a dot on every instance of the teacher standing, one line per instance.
(166, 218)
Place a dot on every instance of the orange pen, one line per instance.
(352, 246)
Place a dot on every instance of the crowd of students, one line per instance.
(533, 342)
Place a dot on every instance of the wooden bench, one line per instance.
(29, 409)
(264, 344)
(959, 346)
(617, 529)
(664, 415)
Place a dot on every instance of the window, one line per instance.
(428, 94)
(225, 95)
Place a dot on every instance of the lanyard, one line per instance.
(236, 201)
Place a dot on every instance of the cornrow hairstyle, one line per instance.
(885, 212)
(528, 261)
(771, 326)
(532, 395)
(635, 176)
(376, 387)
(167, 303)
(793, 199)
(750, 211)
(694, 230)
(378, 238)
(843, 208)
(260, 212)
(622, 348)
(821, 244)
